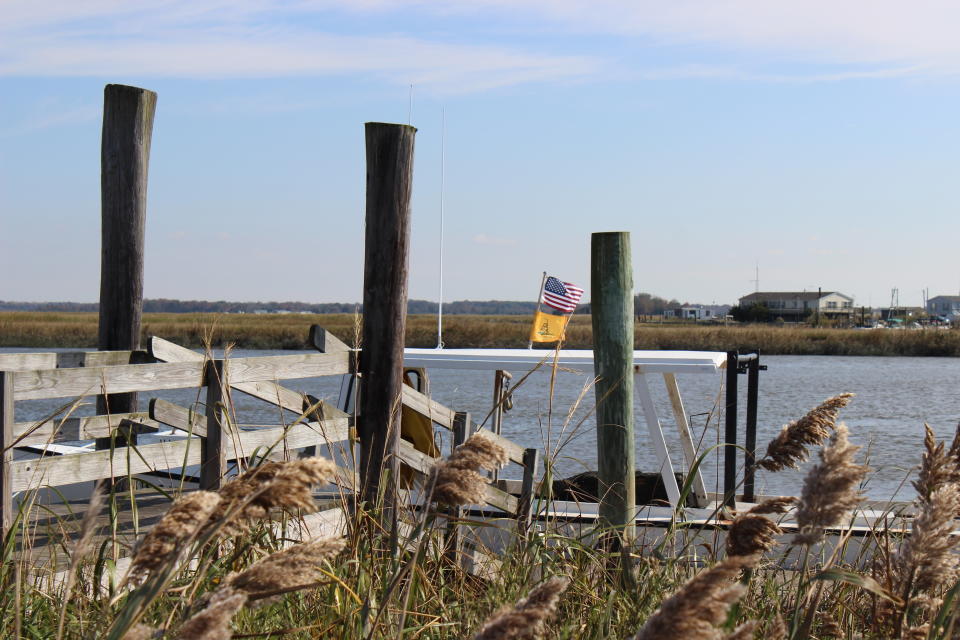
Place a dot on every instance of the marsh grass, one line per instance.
(287, 331)
(224, 566)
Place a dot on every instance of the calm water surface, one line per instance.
(895, 397)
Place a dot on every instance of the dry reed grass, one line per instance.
(213, 623)
(287, 331)
(830, 489)
(526, 619)
(252, 584)
(456, 481)
(789, 448)
(173, 532)
(701, 605)
(285, 486)
(294, 568)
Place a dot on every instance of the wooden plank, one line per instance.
(698, 488)
(167, 351)
(261, 368)
(325, 342)
(178, 417)
(514, 451)
(73, 359)
(63, 383)
(81, 467)
(243, 443)
(658, 441)
(525, 508)
(27, 361)
(6, 451)
(423, 463)
(84, 428)
(112, 358)
(303, 365)
(426, 406)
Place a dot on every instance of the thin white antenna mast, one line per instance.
(443, 134)
(410, 107)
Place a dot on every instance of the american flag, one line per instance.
(562, 296)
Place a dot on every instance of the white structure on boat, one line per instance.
(646, 363)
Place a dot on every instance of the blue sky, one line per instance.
(818, 141)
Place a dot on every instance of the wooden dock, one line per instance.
(203, 445)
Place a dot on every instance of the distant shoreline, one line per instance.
(46, 329)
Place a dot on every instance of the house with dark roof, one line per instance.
(794, 306)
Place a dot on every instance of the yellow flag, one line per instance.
(547, 328)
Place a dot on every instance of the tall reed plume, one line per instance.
(456, 481)
(830, 489)
(926, 563)
(213, 623)
(752, 533)
(701, 605)
(297, 567)
(173, 532)
(526, 620)
(789, 448)
(286, 486)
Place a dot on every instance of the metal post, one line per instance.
(753, 380)
(730, 435)
(6, 451)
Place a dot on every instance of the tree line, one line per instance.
(644, 304)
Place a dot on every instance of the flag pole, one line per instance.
(539, 297)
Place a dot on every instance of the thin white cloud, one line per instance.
(216, 38)
(879, 38)
(48, 118)
(921, 33)
(853, 39)
(707, 72)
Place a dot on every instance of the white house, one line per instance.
(798, 305)
(698, 312)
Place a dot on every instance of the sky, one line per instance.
(811, 142)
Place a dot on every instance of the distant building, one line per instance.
(698, 312)
(902, 313)
(947, 306)
(794, 306)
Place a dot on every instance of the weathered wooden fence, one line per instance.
(214, 441)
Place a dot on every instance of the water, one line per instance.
(895, 397)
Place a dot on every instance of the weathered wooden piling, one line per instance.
(124, 160)
(611, 285)
(386, 258)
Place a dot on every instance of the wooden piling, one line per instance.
(124, 160)
(389, 183)
(611, 285)
(213, 456)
